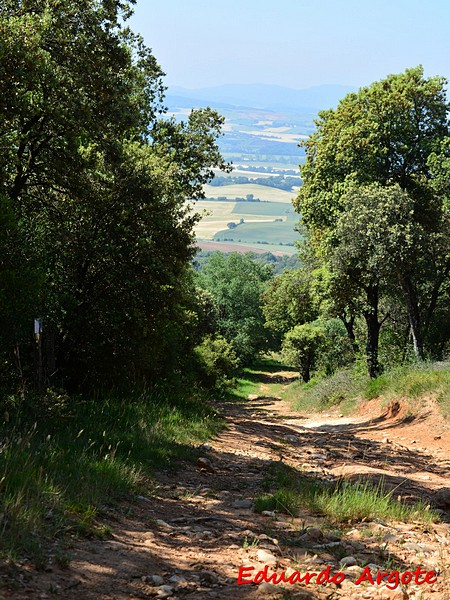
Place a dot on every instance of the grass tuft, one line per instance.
(58, 473)
(344, 502)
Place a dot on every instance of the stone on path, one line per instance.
(242, 504)
(164, 591)
(163, 525)
(204, 464)
(441, 498)
(269, 588)
(314, 533)
(266, 557)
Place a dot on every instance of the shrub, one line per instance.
(217, 361)
(301, 347)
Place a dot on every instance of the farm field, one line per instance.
(259, 229)
(242, 173)
(262, 192)
(271, 209)
(261, 233)
(273, 232)
(217, 213)
(280, 163)
(275, 249)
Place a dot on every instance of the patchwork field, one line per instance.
(279, 163)
(262, 225)
(243, 248)
(279, 234)
(216, 215)
(270, 209)
(241, 190)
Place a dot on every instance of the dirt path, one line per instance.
(189, 538)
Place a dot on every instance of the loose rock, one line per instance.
(164, 591)
(441, 498)
(269, 588)
(155, 579)
(204, 464)
(242, 504)
(208, 577)
(266, 558)
(396, 594)
(348, 561)
(314, 533)
(163, 525)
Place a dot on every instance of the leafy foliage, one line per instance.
(375, 202)
(236, 282)
(302, 346)
(95, 181)
(288, 302)
(217, 361)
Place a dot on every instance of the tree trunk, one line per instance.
(373, 331)
(412, 307)
(349, 324)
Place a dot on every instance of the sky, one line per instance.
(294, 43)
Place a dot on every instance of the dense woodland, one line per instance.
(97, 241)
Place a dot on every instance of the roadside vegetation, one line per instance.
(64, 462)
(341, 503)
(412, 384)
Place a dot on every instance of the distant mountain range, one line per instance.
(264, 96)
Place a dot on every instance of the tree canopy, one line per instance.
(236, 283)
(382, 134)
(94, 181)
(374, 200)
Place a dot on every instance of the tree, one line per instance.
(384, 133)
(302, 346)
(99, 180)
(375, 244)
(236, 283)
(388, 133)
(288, 302)
(20, 281)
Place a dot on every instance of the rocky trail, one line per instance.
(189, 537)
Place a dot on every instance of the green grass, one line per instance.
(344, 502)
(251, 378)
(345, 388)
(412, 383)
(59, 472)
(246, 384)
(279, 233)
(271, 209)
(342, 388)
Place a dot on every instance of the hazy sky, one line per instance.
(296, 43)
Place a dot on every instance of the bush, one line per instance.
(337, 350)
(301, 347)
(217, 361)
